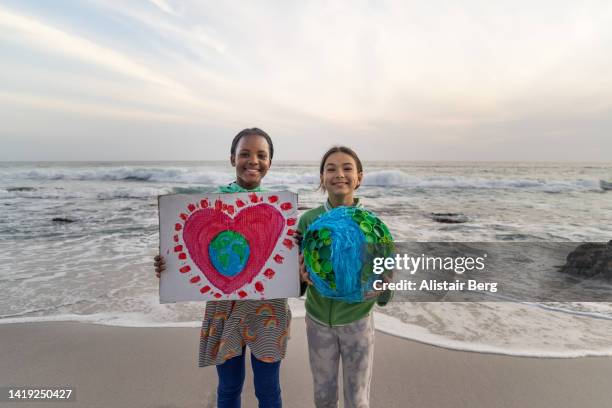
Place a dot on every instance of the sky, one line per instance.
(395, 80)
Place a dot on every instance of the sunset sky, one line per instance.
(396, 80)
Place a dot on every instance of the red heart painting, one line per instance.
(261, 225)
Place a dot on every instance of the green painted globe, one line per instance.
(318, 242)
(229, 252)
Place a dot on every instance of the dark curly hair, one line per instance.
(248, 132)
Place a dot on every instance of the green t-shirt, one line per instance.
(233, 187)
(332, 312)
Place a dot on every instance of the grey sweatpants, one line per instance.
(354, 344)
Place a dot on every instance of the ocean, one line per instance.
(98, 268)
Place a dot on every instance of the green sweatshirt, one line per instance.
(328, 311)
(233, 187)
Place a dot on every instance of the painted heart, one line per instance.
(260, 225)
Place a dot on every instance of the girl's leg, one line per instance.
(231, 379)
(267, 383)
(357, 350)
(324, 353)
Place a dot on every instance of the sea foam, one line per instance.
(396, 178)
(382, 178)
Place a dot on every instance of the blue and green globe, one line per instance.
(339, 248)
(229, 252)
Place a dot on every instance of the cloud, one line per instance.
(164, 6)
(451, 73)
(50, 104)
(48, 39)
(51, 39)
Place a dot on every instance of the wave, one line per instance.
(105, 319)
(213, 178)
(288, 179)
(396, 178)
(604, 312)
(396, 327)
(41, 194)
(139, 192)
(32, 277)
(159, 316)
(124, 173)
(62, 194)
(198, 176)
(194, 190)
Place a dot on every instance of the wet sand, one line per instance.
(157, 367)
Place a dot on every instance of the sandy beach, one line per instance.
(455, 147)
(156, 367)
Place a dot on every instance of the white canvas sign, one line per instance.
(228, 246)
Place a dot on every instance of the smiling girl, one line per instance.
(229, 326)
(338, 330)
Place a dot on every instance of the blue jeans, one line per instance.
(265, 378)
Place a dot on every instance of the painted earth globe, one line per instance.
(339, 248)
(229, 252)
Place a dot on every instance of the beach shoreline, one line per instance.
(157, 367)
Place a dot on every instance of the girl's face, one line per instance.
(340, 175)
(252, 161)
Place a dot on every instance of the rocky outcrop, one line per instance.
(590, 260)
(449, 218)
(60, 219)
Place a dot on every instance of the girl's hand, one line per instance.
(160, 265)
(303, 272)
(376, 293)
(298, 237)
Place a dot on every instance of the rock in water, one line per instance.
(449, 218)
(605, 185)
(60, 219)
(590, 260)
(20, 189)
